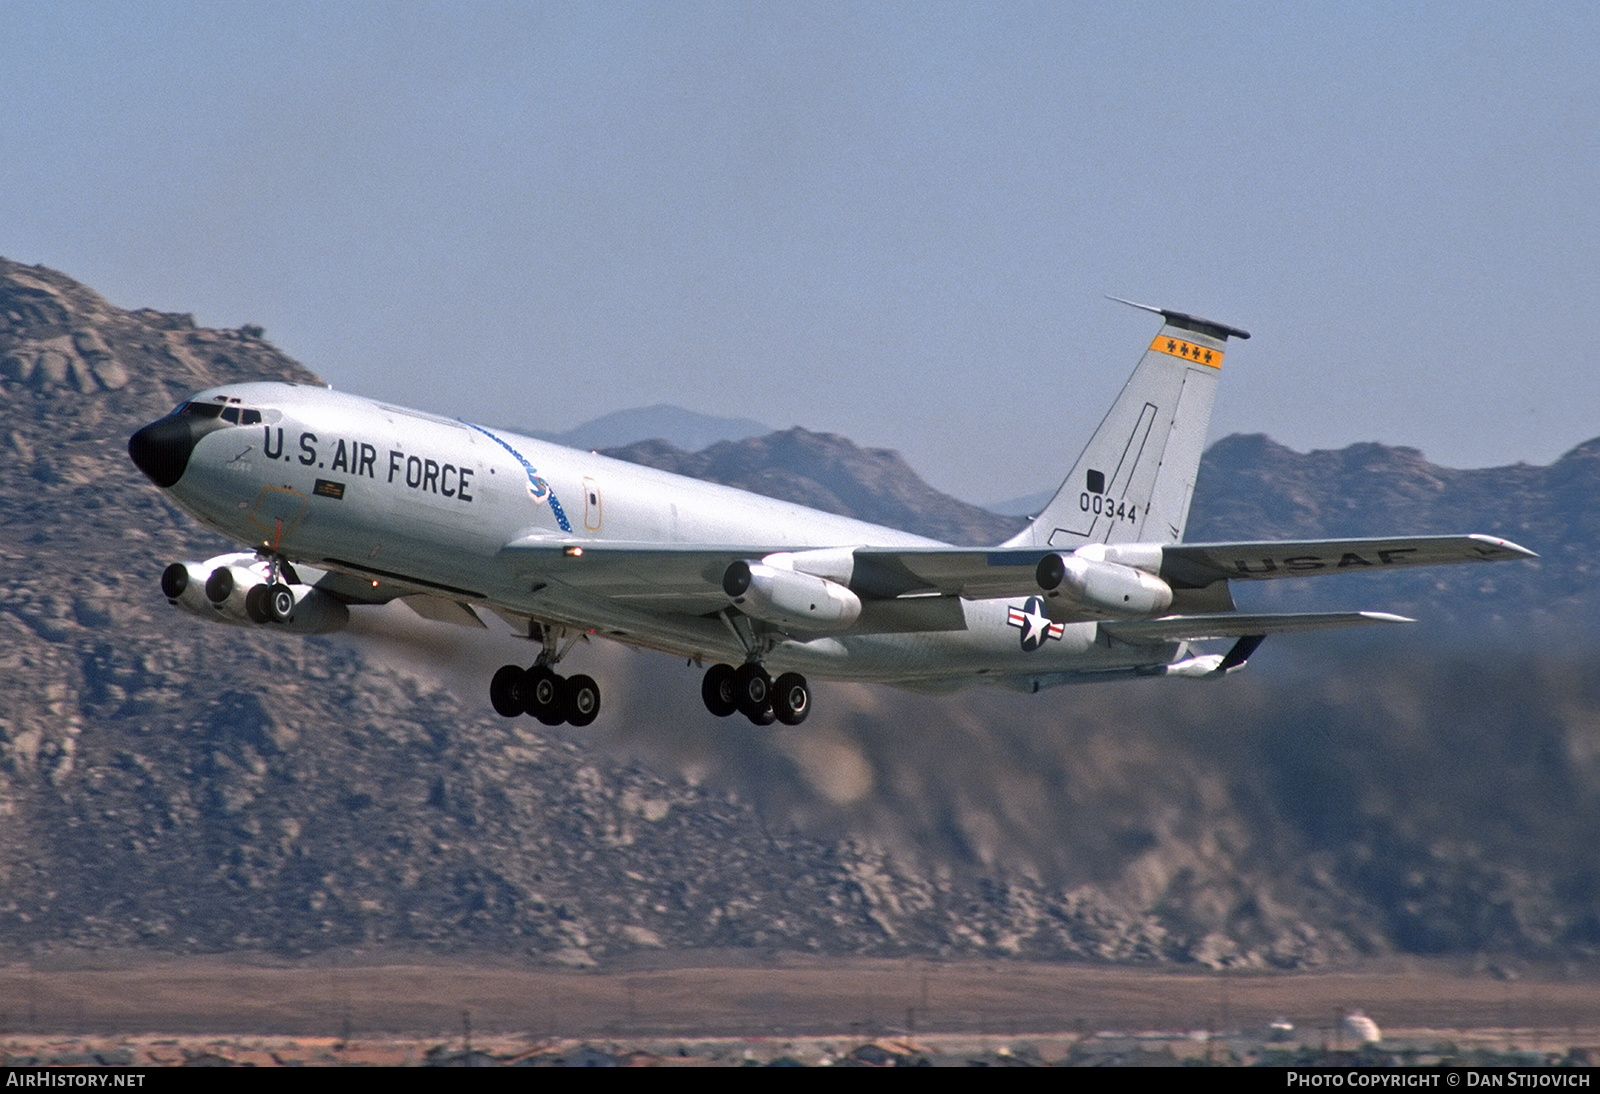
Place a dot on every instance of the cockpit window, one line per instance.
(237, 415)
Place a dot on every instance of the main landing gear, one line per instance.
(553, 699)
(539, 691)
(548, 697)
(751, 691)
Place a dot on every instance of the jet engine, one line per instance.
(790, 598)
(184, 583)
(236, 588)
(231, 589)
(1109, 588)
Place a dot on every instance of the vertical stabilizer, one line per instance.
(1134, 480)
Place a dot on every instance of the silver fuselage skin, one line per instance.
(409, 502)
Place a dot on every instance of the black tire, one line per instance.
(582, 700)
(752, 689)
(791, 698)
(717, 691)
(765, 716)
(255, 604)
(545, 696)
(280, 603)
(506, 691)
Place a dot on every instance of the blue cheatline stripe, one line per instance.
(536, 486)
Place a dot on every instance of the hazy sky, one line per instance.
(896, 222)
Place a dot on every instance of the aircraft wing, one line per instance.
(902, 590)
(1195, 565)
(649, 571)
(978, 573)
(685, 579)
(691, 576)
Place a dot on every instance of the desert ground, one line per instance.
(351, 998)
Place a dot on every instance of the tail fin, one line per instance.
(1134, 480)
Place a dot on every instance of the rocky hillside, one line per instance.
(1252, 484)
(165, 782)
(172, 784)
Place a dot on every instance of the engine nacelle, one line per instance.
(184, 583)
(184, 586)
(229, 588)
(790, 598)
(1109, 588)
(234, 588)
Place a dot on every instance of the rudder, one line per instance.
(1136, 476)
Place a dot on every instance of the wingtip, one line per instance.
(1385, 617)
(1503, 547)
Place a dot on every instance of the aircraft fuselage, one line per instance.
(462, 521)
(422, 503)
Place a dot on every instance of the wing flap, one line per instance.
(887, 572)
(442, 610)
(641, 572)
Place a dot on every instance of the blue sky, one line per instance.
(896, 222)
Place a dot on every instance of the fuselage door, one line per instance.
(276, 512)
(591, 505)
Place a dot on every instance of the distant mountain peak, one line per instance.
(689, 430)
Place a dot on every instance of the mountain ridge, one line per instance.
(176, 786)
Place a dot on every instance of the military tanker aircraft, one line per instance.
(341, 502)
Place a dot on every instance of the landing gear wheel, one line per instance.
(508, 691)
(791, 699)
(717, 691)
(545, 696)
(582, 700)
(280, 603)
(752, 689)
(766, 717)
(255, 604)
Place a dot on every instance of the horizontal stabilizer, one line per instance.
(1194, 628)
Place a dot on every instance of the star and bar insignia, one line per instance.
(1034, 623)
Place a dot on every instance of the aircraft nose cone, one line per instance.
(161, 449)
